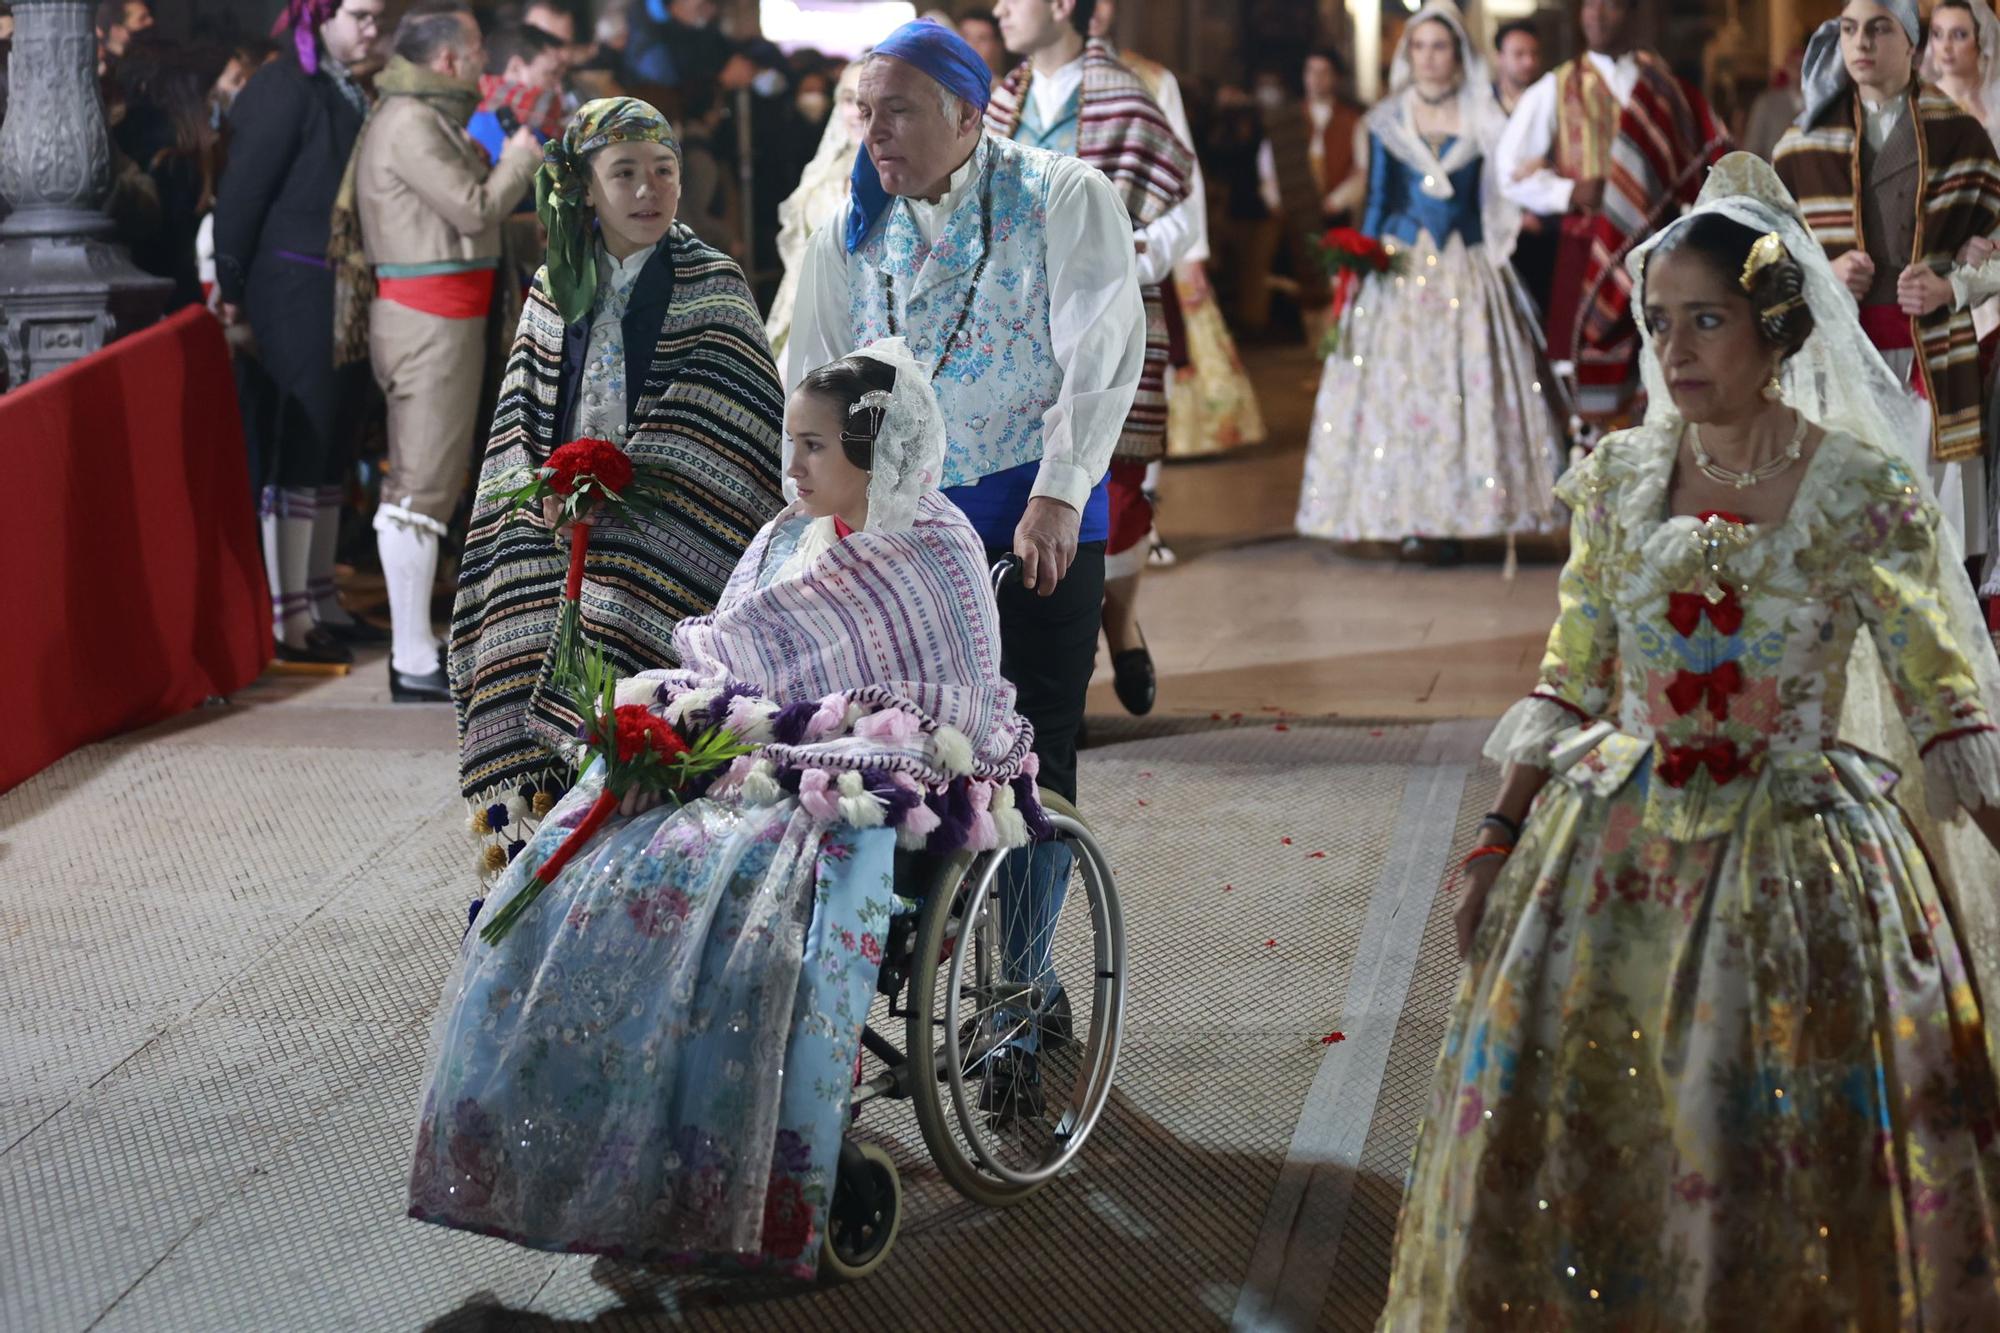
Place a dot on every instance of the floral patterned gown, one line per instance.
(1431, 419)
(656, 1062)
(1717, 1060)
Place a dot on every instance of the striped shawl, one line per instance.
(1958, 198)
(1123, 133)
(708, 419)
(1665, 142)
(903, 620)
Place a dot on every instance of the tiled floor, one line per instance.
(221, 942)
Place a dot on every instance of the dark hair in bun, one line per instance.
(1777, 291)
(845, 381)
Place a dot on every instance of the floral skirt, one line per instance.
(656, 1062)
(1431, 419)
(1211, 406)
(1733, 1083)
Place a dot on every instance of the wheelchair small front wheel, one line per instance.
(864, 1214)
(1017, 997)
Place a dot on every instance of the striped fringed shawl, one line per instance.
(1123, 133)
(902, 620)
(1666, 140)
(1959, 198)
(708, 421)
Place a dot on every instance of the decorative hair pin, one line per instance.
(1767, 251)
(877, 399)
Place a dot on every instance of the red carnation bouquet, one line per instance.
(584, 475)
(641, 752)
(1349, 257)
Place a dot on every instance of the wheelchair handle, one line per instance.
(1006, 572)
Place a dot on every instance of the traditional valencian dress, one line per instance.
(1718, 1050)
(655, 1063)
(1719, 1059)
(1431, 419)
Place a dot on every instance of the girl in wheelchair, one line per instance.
(657, 1062)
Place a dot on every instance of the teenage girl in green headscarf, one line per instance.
(637, 332)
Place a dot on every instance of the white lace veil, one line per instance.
(1837, 380)
(1480, 123)
(1986, 28)
(909, 443)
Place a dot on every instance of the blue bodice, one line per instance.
(1398, 208)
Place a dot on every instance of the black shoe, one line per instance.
(431, 688)
(1448, 552)
(1012, 1088)
(1133, 678)
(1411, 549)
(355, 633)
(321, 649)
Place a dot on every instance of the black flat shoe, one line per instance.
(430, 688)
(1012, 1088)
(355, 634)
(1133, 678)
(321, 649)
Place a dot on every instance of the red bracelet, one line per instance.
(1490, 849)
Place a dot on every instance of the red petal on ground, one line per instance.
(1376, 732)
(1236, 717)
(1315, 856)
(1229, 888)
(1215, 717)
(1286, 841)
(1144, 776)
(1270, 944)
(1332, 1037)
(1144, 803)
(1281, 727)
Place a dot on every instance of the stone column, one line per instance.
(65, 288)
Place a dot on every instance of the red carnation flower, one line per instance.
(600, 460)
(640, 730)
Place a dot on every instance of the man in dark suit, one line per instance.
(291, 131)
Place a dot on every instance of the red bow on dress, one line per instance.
(1679, 763)
(1685, 610)
(1689, 687)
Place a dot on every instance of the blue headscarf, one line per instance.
(945, 56)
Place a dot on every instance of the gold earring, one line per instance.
(1773, 390)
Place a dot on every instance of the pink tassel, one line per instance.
(890, 726)
(985, 835)
(830, 719)
(817, 795)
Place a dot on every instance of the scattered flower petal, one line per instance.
(1144, 802)
(1270, 944)
(1281, 727)
(1332, 1037)
(1286, 841)
(1315, 856)
(1229, 888)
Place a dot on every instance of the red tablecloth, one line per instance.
(131, 586)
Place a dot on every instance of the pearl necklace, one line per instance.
(1714, 471)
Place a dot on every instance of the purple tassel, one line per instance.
(1027, 799)
(789, 726)
(897, 799)
(717, 713)
(954, 811)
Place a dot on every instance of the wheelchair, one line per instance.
(1010, 981)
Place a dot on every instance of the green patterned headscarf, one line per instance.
(559, 191)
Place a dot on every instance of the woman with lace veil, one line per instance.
(821, 195)
(1431, 422)
(1718, 1060)
(655, 1061)
(1962, 59)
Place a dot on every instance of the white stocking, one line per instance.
(287, 515)
(326, 607)
(409, 550)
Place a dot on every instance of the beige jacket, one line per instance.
(425, 191)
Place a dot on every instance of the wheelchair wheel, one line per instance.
(864, 1214)
(1015, 1034)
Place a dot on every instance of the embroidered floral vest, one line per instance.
(1000, 375)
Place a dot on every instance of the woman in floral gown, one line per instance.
(655, 1062)
(1431, 422)
(1718, 1060)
